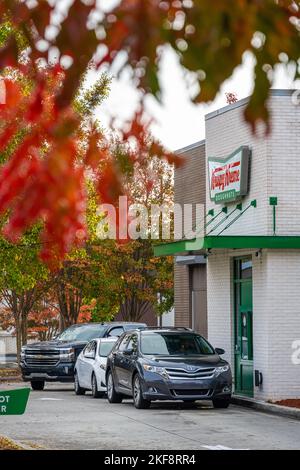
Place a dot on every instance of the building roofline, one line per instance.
(195, 145)
(243, 101)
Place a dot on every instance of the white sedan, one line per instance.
(90, 367)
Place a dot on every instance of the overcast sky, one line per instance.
(178, 121)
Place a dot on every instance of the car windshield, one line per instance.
(82, 333)
(106, 347)
(174, 344)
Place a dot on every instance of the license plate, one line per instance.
(35, 375)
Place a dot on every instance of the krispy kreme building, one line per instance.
(248, 258)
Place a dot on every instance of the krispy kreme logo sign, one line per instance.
(228, 177)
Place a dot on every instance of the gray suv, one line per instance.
(167, 364)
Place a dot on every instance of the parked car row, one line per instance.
(131, 360)
(54, 361)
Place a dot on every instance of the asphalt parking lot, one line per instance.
(57, 419)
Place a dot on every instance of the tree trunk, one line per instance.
(134, 309)
(20, 304)
(24, 327)
(18, 322)
(69, 301)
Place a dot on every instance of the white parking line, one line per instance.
(220, 447)
(50, 399)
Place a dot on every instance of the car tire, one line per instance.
(95, 391)
(77, 389)
(37, 384)
(138, 400)
(221, 402)
(112, 395)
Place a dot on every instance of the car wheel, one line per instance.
(112, 395)
(221, 402)
(95, 391)
(138, 400)
(38, 385)
(78, 390)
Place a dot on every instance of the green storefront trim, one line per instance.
(229, 242)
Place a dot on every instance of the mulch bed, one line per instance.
(9, 372)
(7, 444)
(291, 402)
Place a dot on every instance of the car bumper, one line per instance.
(208, 389)
(63, 372)
(100, 381)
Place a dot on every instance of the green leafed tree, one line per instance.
(24, 279)
(130, 280)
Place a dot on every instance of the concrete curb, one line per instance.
(258, 405)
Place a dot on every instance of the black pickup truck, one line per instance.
(54, 361)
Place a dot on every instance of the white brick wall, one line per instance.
(275, 171)
(276, 316)
(284, 165)
(219, 302)
(275, 166)
(276, 322)
(224, 134)
(279, 323)
(8, 344)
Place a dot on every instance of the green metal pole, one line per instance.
(274, 220)
(273, 202)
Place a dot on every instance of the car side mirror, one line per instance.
(128, 352)
(220, 351)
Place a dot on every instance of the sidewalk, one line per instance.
(266, 407)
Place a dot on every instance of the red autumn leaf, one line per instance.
(35, 108)
(95, 152)
(9, 54)
(109, 185)
(78, 42)
(12, 98)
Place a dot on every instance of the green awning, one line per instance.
(229, 242)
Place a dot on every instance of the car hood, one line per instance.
(183, 361)
(56, 344)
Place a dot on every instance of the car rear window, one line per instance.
(174, 344)
(106, 347)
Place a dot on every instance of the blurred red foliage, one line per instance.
(52, 48)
